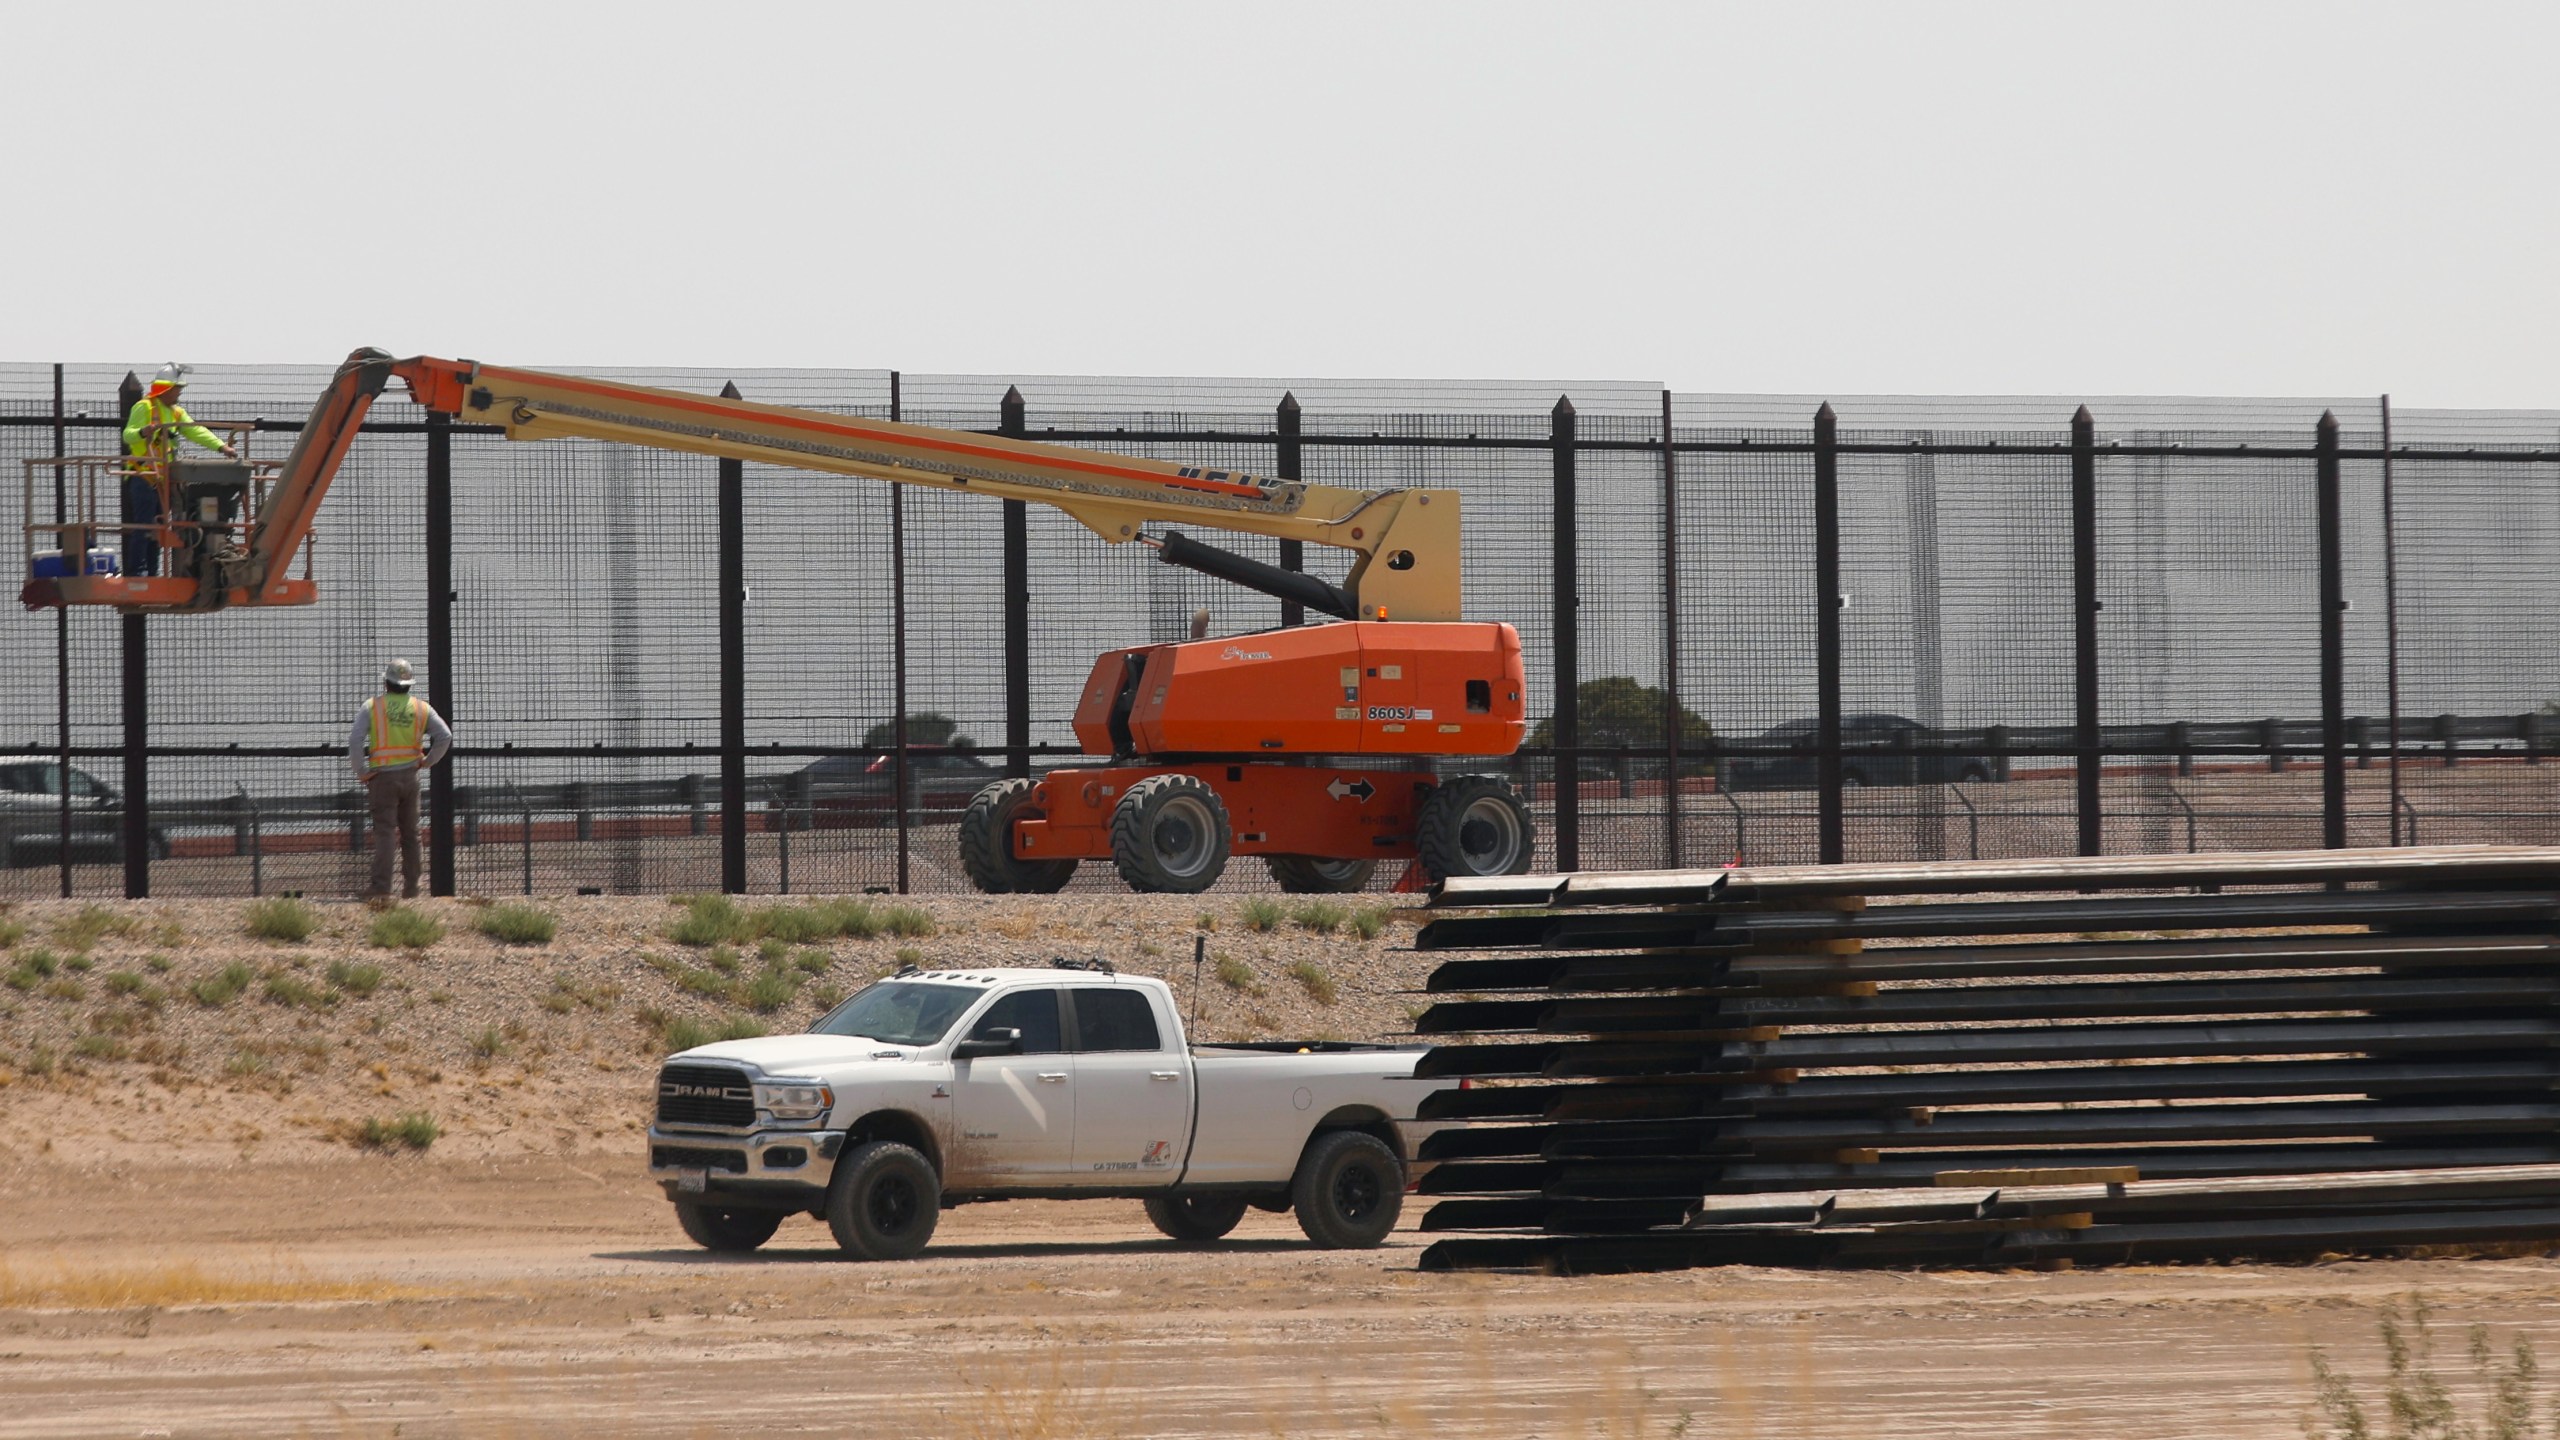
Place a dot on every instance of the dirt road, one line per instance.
(428, 1297)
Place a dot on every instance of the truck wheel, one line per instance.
(1474, 825)
(1196, 1219)
(1348, 1191)
(884, 1202)
(1307, 875)
(1169, 835)
(986, 845)
(718, 1227)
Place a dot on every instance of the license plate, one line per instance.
(691, 1182)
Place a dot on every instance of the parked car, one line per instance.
(1803, 772)
(31, 816)
(844, 791)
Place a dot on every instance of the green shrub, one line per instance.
(282, 918)
(1261, 915)
(284, 989)
(489, 1044)
(247, 1064)
(99, 1047)
(158, 964)
(1311, 976)
(723, 958)
(710, 984)
(794, 924)
(686, 1033)
(124, 982)
(79, 963)
(401, 928)
(40, 1060)
(772, 951)
(91, 924)
(907, 922)
(910, 955)
(813, 962)
(518, 924)
(771, 990)
(709, 920)
(355, 977)
(11, 932)
(33, 969)
(1370, 921)
(1206, 922)
(853, 919)
(826, 997)
(414, 1131)
(740, 1027)
(1238, 976)
(63, 987)
(223, 986)
(1322, 916)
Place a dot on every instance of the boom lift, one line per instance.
(1214, 747)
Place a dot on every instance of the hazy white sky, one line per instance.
(2215, 198)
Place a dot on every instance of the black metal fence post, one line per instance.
(1831, 823)
(1670, 644)
(137, 717)
(62, 648)
(1568, 648)
(2088, 758)
(2333, 654)
(733, 669)
(1017, 607)
(1290, 463)
(440, 867)
(898, 646)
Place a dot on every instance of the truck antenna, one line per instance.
(1199, 953)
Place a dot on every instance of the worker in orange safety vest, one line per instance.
(152, 430)
(396, 736)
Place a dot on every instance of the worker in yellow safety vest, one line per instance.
(396, 737)
(152, 430)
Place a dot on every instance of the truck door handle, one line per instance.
(1164, 1074)
(1053, 1077)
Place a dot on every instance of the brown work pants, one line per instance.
(394, 797)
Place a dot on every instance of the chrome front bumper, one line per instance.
(770, 1167)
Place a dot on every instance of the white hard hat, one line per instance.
(398, 676)
(172, 373)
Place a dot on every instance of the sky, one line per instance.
(2161, 198)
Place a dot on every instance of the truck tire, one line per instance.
(986, 845)
(1195, 1219)
(884, 1202)
(1474, 825)
(1308, 875)
(1348, 1191)
(731, 1231)
(1169, 835)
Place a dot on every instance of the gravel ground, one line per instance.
(116, 1038)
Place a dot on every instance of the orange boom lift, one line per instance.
(1247, 745)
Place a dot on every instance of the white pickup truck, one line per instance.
(937, 1088)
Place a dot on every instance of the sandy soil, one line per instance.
(193, 1242)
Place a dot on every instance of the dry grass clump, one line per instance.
(518, 924)
(180, 1283)
(223, 986)
(1312, 978)
(282, 919)
(293, 991)
(32, 970)
(401, 928)
(92, 923)
(355, 977)
(1261, 916)
(1321, 916)
(11, 932)
(1369, 921)
(414, 1131)
(1238, 976)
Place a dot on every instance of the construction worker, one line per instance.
(396, 736)
(152, 430)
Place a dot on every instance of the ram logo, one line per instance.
(675, 1091)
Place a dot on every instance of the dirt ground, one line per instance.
(193, 1241)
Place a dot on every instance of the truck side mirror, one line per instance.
(998, 1041)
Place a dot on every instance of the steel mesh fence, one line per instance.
(585, 665)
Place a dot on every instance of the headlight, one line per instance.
(794, 1099)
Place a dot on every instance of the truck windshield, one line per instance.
(901, 1012)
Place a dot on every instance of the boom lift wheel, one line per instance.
(1169, 835)
(1474, 825)
(986, 845)
(1310, 875)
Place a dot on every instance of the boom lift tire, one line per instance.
(1474, 825)
(1195, 1219)
(1169, 835)
(1348, 1190)
(884, 1201)
(986, 845)
(1309, 875)
(731, 1231)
